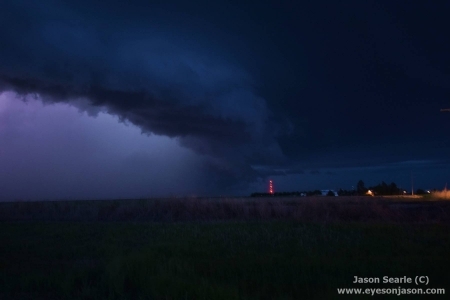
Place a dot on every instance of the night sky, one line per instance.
(122, 99)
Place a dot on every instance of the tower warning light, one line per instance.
(270, 187)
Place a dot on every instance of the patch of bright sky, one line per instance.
(57, 151)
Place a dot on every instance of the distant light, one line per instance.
(270, 187)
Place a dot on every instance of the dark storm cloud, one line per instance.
(142, 71)
(370, 81)
(269, 89)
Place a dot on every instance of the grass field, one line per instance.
(218, 248)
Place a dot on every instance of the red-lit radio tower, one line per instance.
(270, 187)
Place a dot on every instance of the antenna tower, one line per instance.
(270, 187)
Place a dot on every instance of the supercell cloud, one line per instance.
(251, 91)
(148, 76)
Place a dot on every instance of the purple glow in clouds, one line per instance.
(57, 152)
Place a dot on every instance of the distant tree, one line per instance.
(330, 193)
(420, 192)
(380, 189)
(393, 189)
(360, 188)
(313, 193)
(261, 195)
(384, 190)
(342, 192)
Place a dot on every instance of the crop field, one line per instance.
(235, 248)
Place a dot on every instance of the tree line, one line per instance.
(284, 194)
(385, 189)
(382, 189)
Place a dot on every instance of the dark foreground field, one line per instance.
(219, 248)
